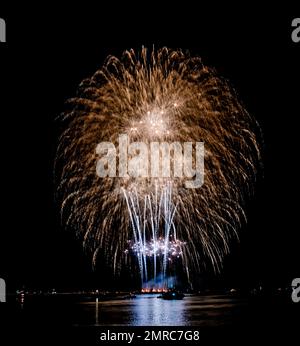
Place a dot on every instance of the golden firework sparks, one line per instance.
(164, 96)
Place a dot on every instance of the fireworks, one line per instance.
(157, 248)
(161, 96)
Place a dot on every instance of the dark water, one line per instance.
(212, 315)
(147, 310)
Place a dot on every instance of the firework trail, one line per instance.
(163, 246)
(169, 96)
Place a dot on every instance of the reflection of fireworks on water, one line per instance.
(159, 96)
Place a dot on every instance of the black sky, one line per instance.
(49, 52)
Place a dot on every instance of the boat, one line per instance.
(171, 295)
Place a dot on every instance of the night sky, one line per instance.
(45, 58)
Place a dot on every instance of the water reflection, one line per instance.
(97, 312)
(145, 309)
(149, 310)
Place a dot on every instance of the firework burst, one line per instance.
(162, 96)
